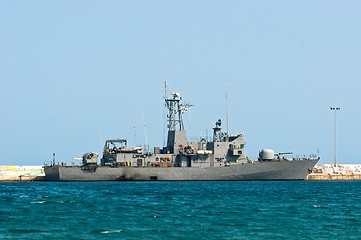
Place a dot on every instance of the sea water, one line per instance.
(180, 210)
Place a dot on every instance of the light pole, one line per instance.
(335, 109)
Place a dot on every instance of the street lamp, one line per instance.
(335, 109)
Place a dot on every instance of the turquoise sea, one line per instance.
(180, 210)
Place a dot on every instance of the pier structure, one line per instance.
(335, 172)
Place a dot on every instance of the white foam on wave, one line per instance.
(38, 202)
(111, 231)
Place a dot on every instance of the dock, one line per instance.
(21, 173)
(335, 172)
(21, 178)
(333, 177)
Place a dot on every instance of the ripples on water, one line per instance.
(180, 210)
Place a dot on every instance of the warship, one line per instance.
(222, 158)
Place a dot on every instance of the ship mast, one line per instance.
(175, 112)
(176, 133)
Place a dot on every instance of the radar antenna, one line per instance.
(175, 112)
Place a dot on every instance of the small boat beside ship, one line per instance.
(223, 158)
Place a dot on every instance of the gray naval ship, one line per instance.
(222, 158)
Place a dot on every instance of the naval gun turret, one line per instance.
(90, 158)
(90, 161)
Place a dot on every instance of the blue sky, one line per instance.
(75, 73)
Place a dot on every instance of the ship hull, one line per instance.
(272, 170)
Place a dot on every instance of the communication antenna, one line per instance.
(134, 129)
(164, 113)
(135, 135)
(227, 112)
(145, 133)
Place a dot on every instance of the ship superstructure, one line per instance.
(222, 158)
